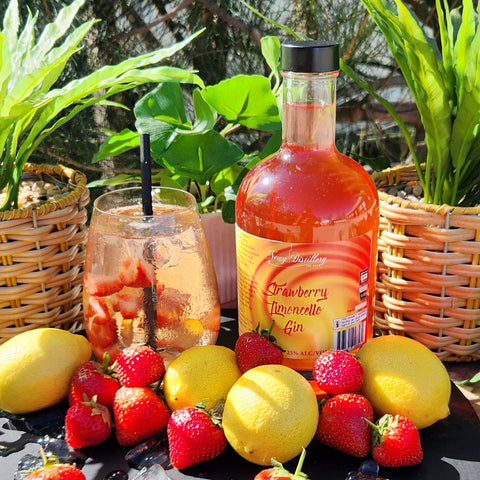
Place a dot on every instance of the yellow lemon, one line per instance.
(270, 412)
(36, 367)
(200, 374)
(402, 376)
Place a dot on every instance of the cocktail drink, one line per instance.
(148, 279)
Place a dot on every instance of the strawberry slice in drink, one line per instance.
(101, 327)
(100, 285)
(128, 302)
(171, 304)
(137, 273)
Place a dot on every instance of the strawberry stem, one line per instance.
(298, 470)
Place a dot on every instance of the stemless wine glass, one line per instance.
(149, 278)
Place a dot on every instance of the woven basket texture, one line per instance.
(428, 273)
(42, 257)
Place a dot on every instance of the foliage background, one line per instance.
(230, 45)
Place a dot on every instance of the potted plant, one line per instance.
(208, 151)
(43, 243)
(428, 269)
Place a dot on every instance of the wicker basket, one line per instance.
(428, 277)
(42, 256)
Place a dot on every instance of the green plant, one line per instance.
(193, 151)
(445, 84)
(31, 108)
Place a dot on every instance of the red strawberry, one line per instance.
(278, 472)
(52, 470)
(396, 442)
(341, 424)
(129, 303)
(139, 366)
(194, 436)
(101, 325)
(171, 305)
(338, 371)
(138, 275)
(99, 285)
(87, 423)
(139, 414)
(253, 349)
(92, 378)
(57, 472)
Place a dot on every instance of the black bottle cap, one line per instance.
(311, 56)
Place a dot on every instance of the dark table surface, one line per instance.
(451, 449)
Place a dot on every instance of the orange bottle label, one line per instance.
(319, 295)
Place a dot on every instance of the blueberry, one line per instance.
(369, 467)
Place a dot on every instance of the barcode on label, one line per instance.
(349, 331)
(349, 337)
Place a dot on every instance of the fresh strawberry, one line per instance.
(57, 472)
(99, 285)
(137, 275)
(138, 414)
(52, 470)
(396, 442)
(92, 378)
(257, 348)
(341, 424)
(338, 371)
(87, 423)
(279, 472)
(194, 436)
(139, 366)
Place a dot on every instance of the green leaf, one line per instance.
(205, 115)
(116, 144)
(271, 53)
(158, 178)
(245, 99)
(201, 156)
(464, 38)
(228, 211)
(120, 179)
(160, 113)
(11, 23)
(470, 381)
(56, 29)
(272, 145)
(224, 179)
(286, 29)
(447, 39)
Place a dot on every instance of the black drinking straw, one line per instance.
(150, 292)
(146, 174)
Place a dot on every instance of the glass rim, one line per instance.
(191, 202)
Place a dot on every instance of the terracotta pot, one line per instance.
(221, 240)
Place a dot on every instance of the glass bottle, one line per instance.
(307, 223)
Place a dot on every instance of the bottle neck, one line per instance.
(309, 108)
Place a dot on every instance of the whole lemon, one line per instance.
(36, 367)
(204, 373)
(402, 376)
(270, 412)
